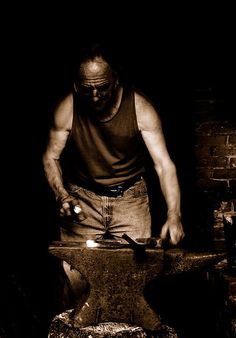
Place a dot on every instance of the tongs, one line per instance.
(142, 243)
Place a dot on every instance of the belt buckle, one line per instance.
(117, 191)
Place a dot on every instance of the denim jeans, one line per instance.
(128, 214)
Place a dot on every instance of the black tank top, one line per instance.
(108, 152)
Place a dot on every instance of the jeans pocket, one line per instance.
(80, 192)
(139, 189)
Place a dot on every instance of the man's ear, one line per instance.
(75, 87)
(116, 80)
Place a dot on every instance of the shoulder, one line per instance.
(63, 114)
(147, 114)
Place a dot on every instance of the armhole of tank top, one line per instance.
(74, 115)
(133, 91)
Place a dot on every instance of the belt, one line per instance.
(111, 191)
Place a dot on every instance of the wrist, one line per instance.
(62, 197)
(174, 214)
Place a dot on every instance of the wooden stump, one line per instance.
(62, 327)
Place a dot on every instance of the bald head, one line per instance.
(95, 70)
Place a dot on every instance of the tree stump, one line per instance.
(62, 327)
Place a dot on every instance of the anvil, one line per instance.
(117, 277)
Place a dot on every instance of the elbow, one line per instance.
(45, 159)
(167, 168)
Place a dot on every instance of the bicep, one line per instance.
(150, 126)
(63, 114)
(60, 131)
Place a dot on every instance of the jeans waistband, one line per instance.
(111, 191)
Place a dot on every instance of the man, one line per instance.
(95, 159)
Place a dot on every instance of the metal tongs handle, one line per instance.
(149, 243)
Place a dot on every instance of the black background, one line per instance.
(167, 52)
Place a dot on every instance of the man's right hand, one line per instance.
(66, 205)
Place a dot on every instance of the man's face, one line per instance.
(96, 83)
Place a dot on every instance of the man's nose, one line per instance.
(95, 96)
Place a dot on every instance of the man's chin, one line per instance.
(98, 106)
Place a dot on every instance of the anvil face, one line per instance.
(117, 278)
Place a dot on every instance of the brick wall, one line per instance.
(215, 151)
(215, 156)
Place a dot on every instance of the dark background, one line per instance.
(168, 53)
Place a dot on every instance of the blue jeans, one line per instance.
(128, 214)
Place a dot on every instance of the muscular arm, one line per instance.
(150, 126)
(58, 136)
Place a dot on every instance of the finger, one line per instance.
(163, 234)
(62, 212)
(66, 208)
(174, 241)
(175, 238)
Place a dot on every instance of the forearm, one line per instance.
(171, 191)
(53, 175)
